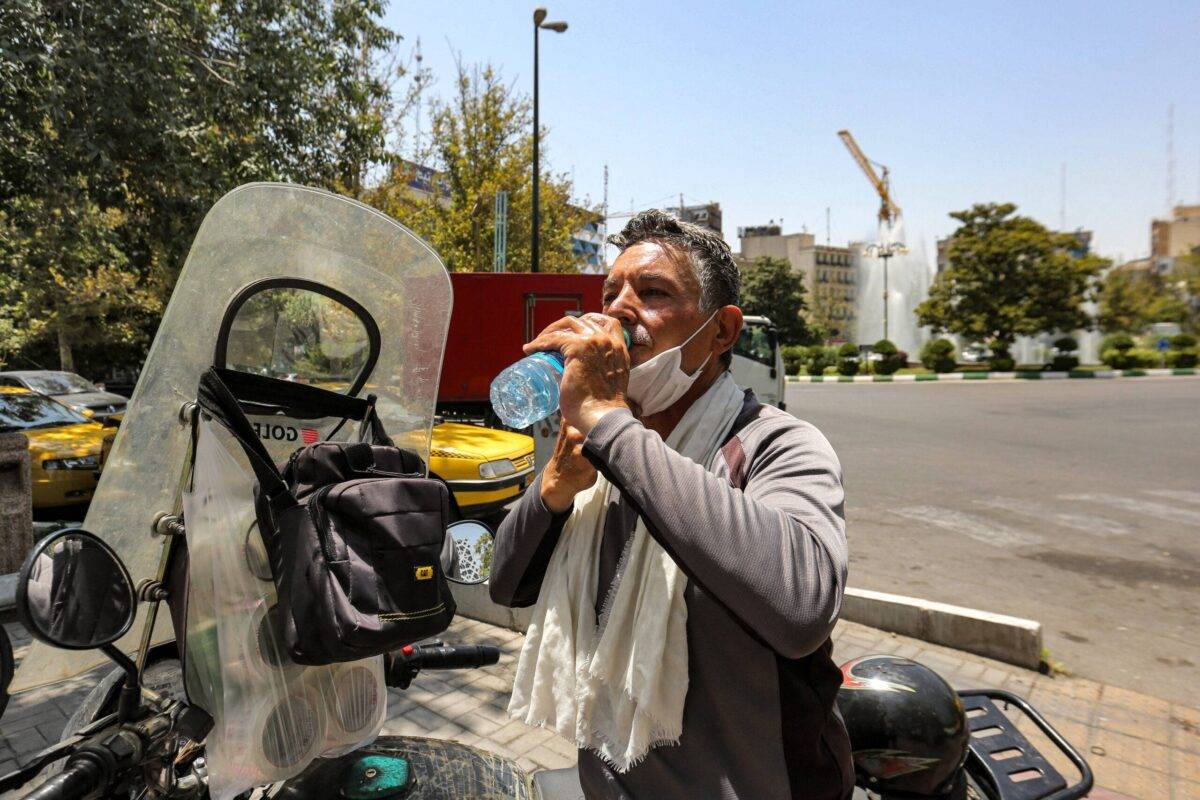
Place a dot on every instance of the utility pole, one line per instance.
(539, 16)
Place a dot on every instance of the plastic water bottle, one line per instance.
(528, 390)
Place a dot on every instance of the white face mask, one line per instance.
(658, 383)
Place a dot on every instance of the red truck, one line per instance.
(494, 314)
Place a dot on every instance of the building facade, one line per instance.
(1177, 236)
(706, 216)
(830, 273)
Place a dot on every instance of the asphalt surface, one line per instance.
(1075, 503)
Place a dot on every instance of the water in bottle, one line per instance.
(528, 390)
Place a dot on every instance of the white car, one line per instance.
(758, 361)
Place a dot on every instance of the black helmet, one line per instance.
(907, 727)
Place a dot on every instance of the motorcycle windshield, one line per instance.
(267, 253)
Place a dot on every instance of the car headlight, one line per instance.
(74, 462)
(497, 469)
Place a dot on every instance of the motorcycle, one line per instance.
(308, 287)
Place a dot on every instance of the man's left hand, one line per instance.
(596, 373)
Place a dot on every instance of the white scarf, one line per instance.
(617, 685)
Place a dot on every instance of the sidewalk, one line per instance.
(1137, 745)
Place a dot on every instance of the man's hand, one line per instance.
(596, 373)
(568, 472)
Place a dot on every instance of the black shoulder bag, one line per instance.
(353, 531)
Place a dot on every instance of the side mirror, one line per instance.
(6, 668)
(469, 560)
(73, 592)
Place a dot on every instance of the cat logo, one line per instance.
(425, 573)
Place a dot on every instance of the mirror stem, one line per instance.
(127, 704)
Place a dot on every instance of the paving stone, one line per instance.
(1132, 750)
(1185, 727)
(1186, 765)
(507, 733)
(529, 740)
(1128, 779)
(429, 720)
(477, 724)
(549, 759)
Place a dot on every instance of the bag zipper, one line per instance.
(316, 513)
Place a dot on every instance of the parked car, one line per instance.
(485, 468)
(64, 446)
(69, 389)
(975, 354)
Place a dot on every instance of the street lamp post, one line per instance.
(885, 251)
(539, 16)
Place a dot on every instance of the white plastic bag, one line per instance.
(272, 716)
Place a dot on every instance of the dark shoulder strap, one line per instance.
(218, 402)
(732, 450)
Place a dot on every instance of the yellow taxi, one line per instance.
(485, 468)
(64, 446)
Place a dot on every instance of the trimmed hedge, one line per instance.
(938, 355)
(892, 359)
(794, 356)
(847, 359)
(819, 358)
(1130, 358)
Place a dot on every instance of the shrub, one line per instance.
(794, 356)
(938, 355)
(1064, 363)
(1185, 359)
(819, 358)
(890, 358)
(1182, 341)
(1066, 344)
(847, 356)
(1130, 358)
(1002, 364)
(1117, 341)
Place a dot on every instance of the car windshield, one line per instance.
(59, 383)
(20, 412)
(756, 342)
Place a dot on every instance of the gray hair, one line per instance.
(710, 257)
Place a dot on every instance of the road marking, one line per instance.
(1169, 513)
(977, 528)
(1097, 526)
(1181, 495)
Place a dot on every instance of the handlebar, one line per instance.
(83, 775)
(403, 665)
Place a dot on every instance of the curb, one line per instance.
(1023, 375)
(1009, 639)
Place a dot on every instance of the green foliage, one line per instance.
(125, 120)
(1131, 358)
(848, 363)
(1066, 344)
(1001, 363)
(1131, 300)
(1117, 341)
(771, 287)
(482, 144)
(1008, 276)
(1064, 362)
(1181, 358)
(820, 358)
(794, 356)
(892, 360)
(938, 355)
(1182, 341)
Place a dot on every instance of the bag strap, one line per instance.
(372, 429)
(219, 403)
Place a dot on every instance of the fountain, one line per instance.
(909, 275)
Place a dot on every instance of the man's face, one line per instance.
(655, 294)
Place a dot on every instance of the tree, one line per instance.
(481, 144)
(1132, 299)
(771, 288)
(1184, 278)
(1009, 276)
(822, 321)
(125, 120)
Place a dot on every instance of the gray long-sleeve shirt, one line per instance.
(761, 535)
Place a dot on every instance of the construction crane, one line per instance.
(888, 210)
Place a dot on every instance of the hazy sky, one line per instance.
(965, 102)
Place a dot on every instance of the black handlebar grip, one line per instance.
(78, 779)
(453, 656)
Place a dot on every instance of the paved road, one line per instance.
(1076, 503)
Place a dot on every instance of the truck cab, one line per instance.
(758, 361)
